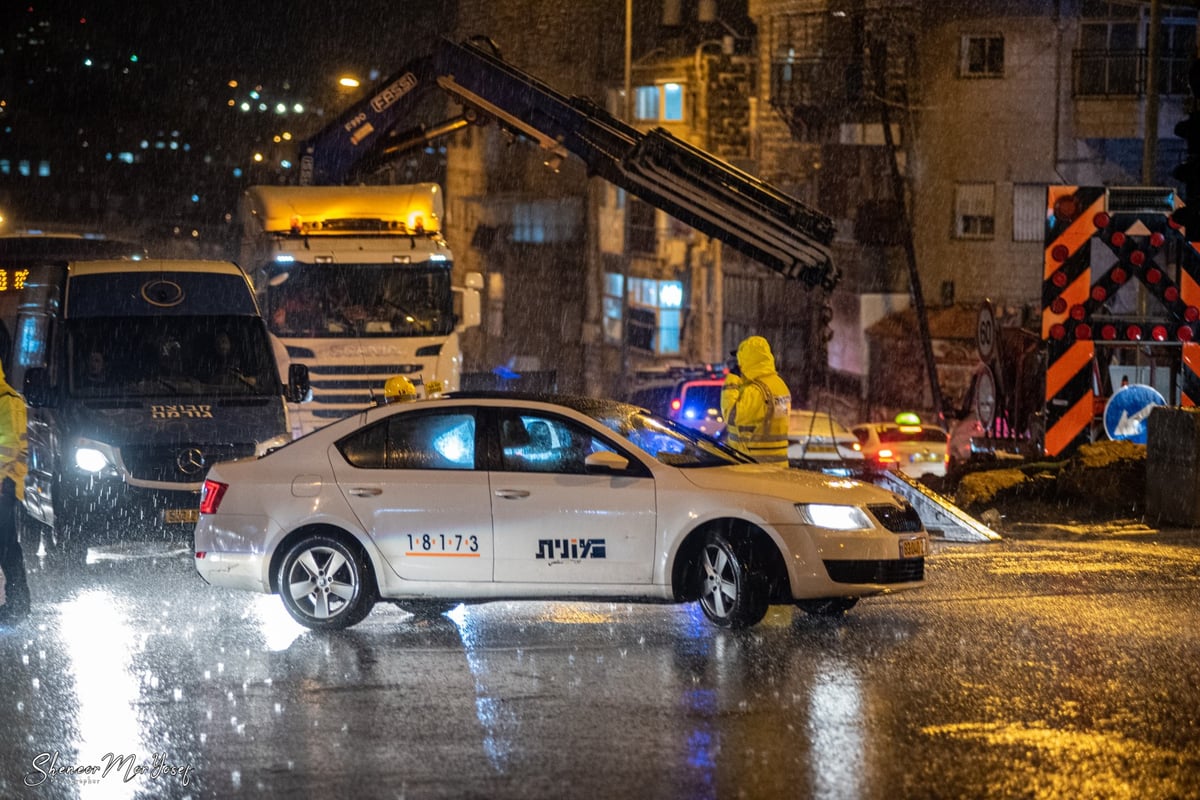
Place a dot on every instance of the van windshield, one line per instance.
(178, 356)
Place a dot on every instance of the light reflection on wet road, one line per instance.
(1025, 669)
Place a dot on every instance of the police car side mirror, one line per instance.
(298, 387)
(37, 390)
(606, 461)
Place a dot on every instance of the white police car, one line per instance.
(470, 498)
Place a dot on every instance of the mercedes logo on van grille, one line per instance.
(191, 461)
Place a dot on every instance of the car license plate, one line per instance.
(912, 548)
(180, 516)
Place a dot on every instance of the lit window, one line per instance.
(655, 315)
(645, 103)
(613, 281)
(43, 169)
(672, 102)
(661, 102)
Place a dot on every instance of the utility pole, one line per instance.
(1150, 125)
(624, 376)
(879, 62)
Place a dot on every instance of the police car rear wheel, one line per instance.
(325, 585)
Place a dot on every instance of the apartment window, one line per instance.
(1112, 51)
(1029, 212)
(974, 210)
(982, 57)
(613, 283)
(660, 102)
(545, 221)
(656, 315)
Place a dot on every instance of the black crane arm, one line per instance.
(710, 195)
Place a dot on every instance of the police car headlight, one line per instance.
(833, 517)
(262, 448)
(95, 457)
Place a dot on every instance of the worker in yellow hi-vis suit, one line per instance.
(14, 450)
(755, 403)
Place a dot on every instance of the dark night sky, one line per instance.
(300, 41)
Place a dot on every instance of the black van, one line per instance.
(138, 377)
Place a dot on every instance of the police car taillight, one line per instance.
(210, 496)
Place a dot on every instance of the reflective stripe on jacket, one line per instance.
(758, 424)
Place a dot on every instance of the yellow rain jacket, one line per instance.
(14, 446)
(756, 405)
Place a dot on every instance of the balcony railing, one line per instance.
(1106, 73)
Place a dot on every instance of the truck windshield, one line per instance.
(356, 300)
(110, 357)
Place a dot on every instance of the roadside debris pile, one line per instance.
(1103, 481)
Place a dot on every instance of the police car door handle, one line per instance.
(511, 494)
(365, 491)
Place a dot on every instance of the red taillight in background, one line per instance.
(676, 404)
(886, 456)
(210, 496)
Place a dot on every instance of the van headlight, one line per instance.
(834, 517)
(96, 458)
(262, 448)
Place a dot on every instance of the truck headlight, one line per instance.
(95, 457)
(834, 517)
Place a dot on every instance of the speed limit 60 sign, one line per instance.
(985, 331)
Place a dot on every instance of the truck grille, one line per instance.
(176, 463)
(902, 570)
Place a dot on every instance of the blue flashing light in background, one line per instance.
(237, 172)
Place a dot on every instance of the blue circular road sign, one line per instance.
(1128, 409)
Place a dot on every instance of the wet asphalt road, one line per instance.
(1032, 669)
